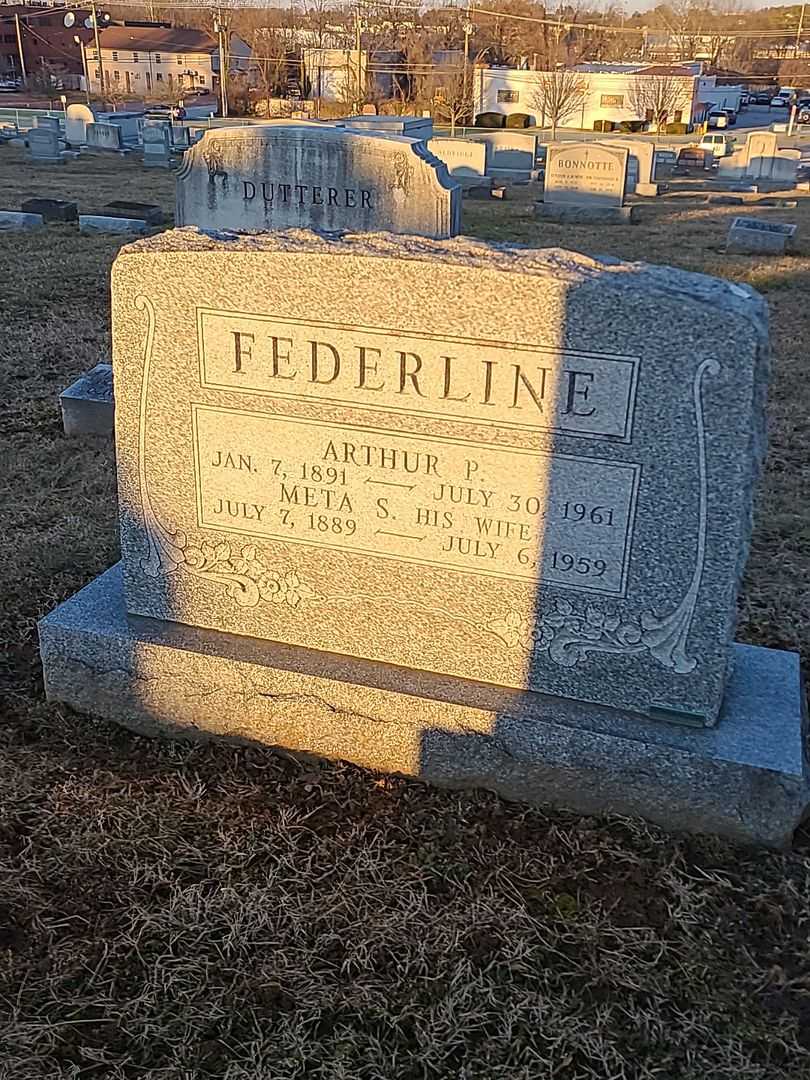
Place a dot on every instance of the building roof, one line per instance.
(156, 39)
(682, 70)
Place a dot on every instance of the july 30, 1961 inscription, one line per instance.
(471, 507)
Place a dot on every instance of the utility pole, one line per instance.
(799, 30)
(358, 48)
(94, 17)
(220, 30)
(80, 43)
(20, 47)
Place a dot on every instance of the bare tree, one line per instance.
(656, 97)
(558, 96)
(450, 93)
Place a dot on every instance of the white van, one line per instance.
(719, 145)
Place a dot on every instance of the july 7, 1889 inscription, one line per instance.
(525, 485)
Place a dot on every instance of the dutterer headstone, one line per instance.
(585, 181)
(496, 540)
(283, 176)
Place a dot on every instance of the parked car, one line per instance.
(9, 86)
(732, 116)
(762, 97)
(744, 101)
(717, 119)
(803, 116)
(165, 112)
(718, 145)
(778, 102)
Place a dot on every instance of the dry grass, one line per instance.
(173, 911)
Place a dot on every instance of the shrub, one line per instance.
(677, 129)
(603, 125)
(518, 120)
(490, 120)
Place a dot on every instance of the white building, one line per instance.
(612, 92)
(332, 73)
(151, 61)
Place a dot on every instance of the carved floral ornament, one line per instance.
(565, 631)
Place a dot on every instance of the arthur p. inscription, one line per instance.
(515, 385)
(439, 501)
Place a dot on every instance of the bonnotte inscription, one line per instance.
(521, 386)
(443, 502)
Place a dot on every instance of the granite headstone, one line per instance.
(77, 117)
(44, 147)
(101, 136)
(156, 136)
(303, 175)
(616, 549)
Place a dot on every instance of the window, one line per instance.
(201, 80)
(115, 55)
(510, 96)
(158, 59)
(612, 101)
(678, 118)
(137, 75)
(180, 60)
(117, 76)
(159, 76)
(135, 58)
(98, 73)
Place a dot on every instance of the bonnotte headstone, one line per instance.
(306, 175)
(585, 181)
(497, 540)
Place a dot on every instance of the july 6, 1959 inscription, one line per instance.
(433, 500)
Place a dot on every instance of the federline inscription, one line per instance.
(514, 385)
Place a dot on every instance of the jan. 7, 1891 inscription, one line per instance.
(439, 501)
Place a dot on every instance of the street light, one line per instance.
(78, 41)
(469, 29)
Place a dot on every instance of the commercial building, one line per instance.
(614, 93)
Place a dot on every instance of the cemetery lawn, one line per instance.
(194, 911)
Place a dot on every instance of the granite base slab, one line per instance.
(101, 223)
(17, 221)
(88, 405)
(746, 779)
(51, 209)
(597, 215)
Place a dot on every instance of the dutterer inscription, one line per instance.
(516, 385)
(477, 508)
